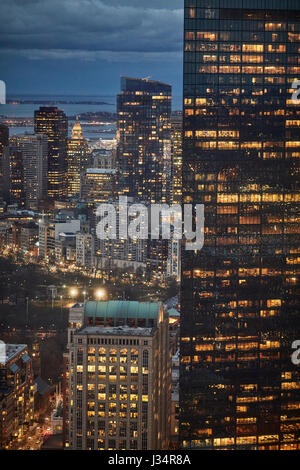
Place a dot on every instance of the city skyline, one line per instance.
(149, 254)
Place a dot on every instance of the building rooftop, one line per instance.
(101, 152)
(122, 309)
(41, 385)
(116, 331)
(9, 351)
(100, 171)
(144, 84)
(67, 234)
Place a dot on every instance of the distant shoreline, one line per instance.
(53, 103)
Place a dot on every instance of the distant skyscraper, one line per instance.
(53, 122)
(239, 316)
(176, 160)
(143, 137)
(119, 376)
(31, 151)
(77, 160)
(98, 185)
(4, 136)
(35, 160)
(13, 175)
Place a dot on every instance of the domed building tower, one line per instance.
(78, 158)
(77, 133)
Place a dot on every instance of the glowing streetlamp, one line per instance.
(74, 292)
(100, 294)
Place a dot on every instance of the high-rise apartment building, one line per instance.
(121, 253)
(119, 376)
(85, 250)
(174, 259)
(77, 159)
(35, 159)
(238, 386)
(34, 149)
(144, 151)
(16, 393)
(53, 122)
(25, 165)
(143, 138)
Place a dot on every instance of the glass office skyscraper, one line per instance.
(53, 122)
(143, 135)
(239, 387)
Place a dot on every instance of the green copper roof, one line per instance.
(173, 312)
(122, 309)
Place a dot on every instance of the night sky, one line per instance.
(83, 46)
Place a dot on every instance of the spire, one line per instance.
(77, 131)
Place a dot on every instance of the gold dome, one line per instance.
(77, 131)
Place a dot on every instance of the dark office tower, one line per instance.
(4, 135)
(143, 136)
(239, 387)
(53, 122)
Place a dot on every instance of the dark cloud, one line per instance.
(111, 30)
(157, 4)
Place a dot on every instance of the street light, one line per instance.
(100, 294)
(74, 292)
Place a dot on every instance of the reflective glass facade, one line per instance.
(239, 388)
